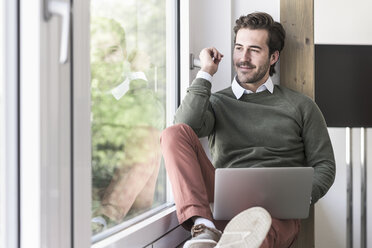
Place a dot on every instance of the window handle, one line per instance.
(62, 9)
(194, 63)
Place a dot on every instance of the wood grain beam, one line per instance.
(297, 57)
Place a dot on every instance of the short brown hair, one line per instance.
(261, 20)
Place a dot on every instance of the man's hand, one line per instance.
(209, 60)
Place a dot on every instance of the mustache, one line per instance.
(245, 63)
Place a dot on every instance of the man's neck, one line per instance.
(253, 86)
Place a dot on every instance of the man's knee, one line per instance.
(172, 133)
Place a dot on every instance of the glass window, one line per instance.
(128, 106)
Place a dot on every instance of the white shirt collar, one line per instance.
(239, 90)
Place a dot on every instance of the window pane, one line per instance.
(128, 94)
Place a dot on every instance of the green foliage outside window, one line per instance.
(119, 125)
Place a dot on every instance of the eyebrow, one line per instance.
(254, 46)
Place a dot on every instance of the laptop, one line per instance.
(284, 192)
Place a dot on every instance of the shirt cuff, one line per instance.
(204, 75)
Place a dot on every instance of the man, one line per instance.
(250, 124)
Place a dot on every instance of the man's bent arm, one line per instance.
(195, 109)
(318, 151)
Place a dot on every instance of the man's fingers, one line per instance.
(216, 55)
(209, 59)
(213, 53)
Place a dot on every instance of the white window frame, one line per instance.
(55, 147)
(45, 146)
(29, 124)
(9, 183)
(161, 229)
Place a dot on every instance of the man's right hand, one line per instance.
(209, 60)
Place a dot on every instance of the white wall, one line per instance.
(210, 25)
(343, 22)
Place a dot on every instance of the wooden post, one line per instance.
(297, 58)
(297, 72)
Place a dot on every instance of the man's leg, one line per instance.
(146, 196)
(141, 163)
(192, 177)
(190, 172)
(281, 234)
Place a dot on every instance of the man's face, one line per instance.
(107, 56)
(251, 56)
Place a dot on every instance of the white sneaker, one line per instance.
(203, 237)
(248, 229)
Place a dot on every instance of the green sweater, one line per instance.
(283, 129)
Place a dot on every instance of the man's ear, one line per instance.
(274, 57)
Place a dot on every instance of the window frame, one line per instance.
(9, 164)
(45, 139)
(53, 135)
(160, 228)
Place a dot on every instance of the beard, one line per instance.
(254, 76)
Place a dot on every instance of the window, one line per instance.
(130, 99)
(8, 124)
(74, 136)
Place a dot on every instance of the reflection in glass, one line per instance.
(128, 109)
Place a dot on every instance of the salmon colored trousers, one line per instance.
(192, 178)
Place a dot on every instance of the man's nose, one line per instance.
(246, 55)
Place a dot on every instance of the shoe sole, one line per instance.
(200, 243)
(248, 229)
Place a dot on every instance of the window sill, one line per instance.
(161, 228)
